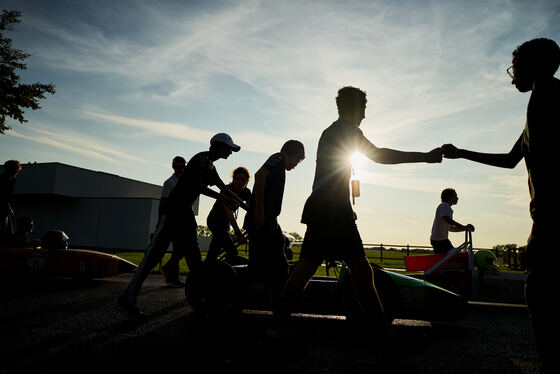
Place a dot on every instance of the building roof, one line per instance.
(53, 178)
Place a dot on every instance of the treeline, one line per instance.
(202, 230)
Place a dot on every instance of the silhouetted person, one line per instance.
(222, 217)
(267, 258)
(534, 64)
(331, 228)
(178, 223)
(7, 183)
(444, 222)
(20, 238)
(170, 270)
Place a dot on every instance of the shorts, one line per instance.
(441, 246)
(343, 244)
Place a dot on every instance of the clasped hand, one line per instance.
(450, 151)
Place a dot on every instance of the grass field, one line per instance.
(393, 260)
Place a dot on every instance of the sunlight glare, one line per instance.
(358, 161)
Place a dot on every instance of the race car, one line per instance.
(224, 289)
(51, 257)
(471, 273)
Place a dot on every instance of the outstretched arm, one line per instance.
(229, 201)
(502, 160)
(455, 226)
(229, 193)
(392, 156)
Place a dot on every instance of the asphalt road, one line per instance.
(63, 326)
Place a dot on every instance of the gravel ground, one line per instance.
(59, 325)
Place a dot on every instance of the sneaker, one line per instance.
(129, 309)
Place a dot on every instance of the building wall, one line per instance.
(95, 209)
(93, 223)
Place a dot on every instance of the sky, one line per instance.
(139, 82)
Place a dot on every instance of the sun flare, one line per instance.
(358, 161)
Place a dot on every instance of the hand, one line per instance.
(470, 227)
(230, 203)
(450, 151)
(435, 155)
(240, 238)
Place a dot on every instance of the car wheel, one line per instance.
(213, 289)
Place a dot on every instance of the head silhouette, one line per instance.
(351, 104)
(534, 60)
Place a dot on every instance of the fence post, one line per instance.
(408, 249)
(381, 254)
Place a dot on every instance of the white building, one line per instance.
(95, 209)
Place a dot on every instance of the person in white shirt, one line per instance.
(443, 222)
(170, 270)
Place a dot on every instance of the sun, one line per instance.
(358, 161)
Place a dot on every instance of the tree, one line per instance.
(203, 231)
(15, 96)
(296, 236)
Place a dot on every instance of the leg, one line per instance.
(441, 246)
(220, 242)
(278, 266)
(296, 283)
(364, 285)
(186, 238)
(213, 249)
(543, 320)
(154, 253)
(170, 270)
(185, 244)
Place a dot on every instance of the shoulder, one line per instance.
(171, 180)
(275, 161)
(201, 161)
(445, 208)
(337, 130)
(200, 157)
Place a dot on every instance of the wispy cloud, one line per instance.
(78, 144)
(252, 141)
(297, 55)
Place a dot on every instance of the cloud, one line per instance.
(298, 54)
(78, 144)
(418, 61)
(252, 141)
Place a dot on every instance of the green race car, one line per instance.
(225, 288)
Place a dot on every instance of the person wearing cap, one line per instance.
(178, 223)
(170, 270)
(267, 260)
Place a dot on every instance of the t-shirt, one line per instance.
(217, 215)
(440, 228)
(168, 186)
(199, 172)
(329, 203)
(273, 191)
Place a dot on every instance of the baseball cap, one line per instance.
(226, 139)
